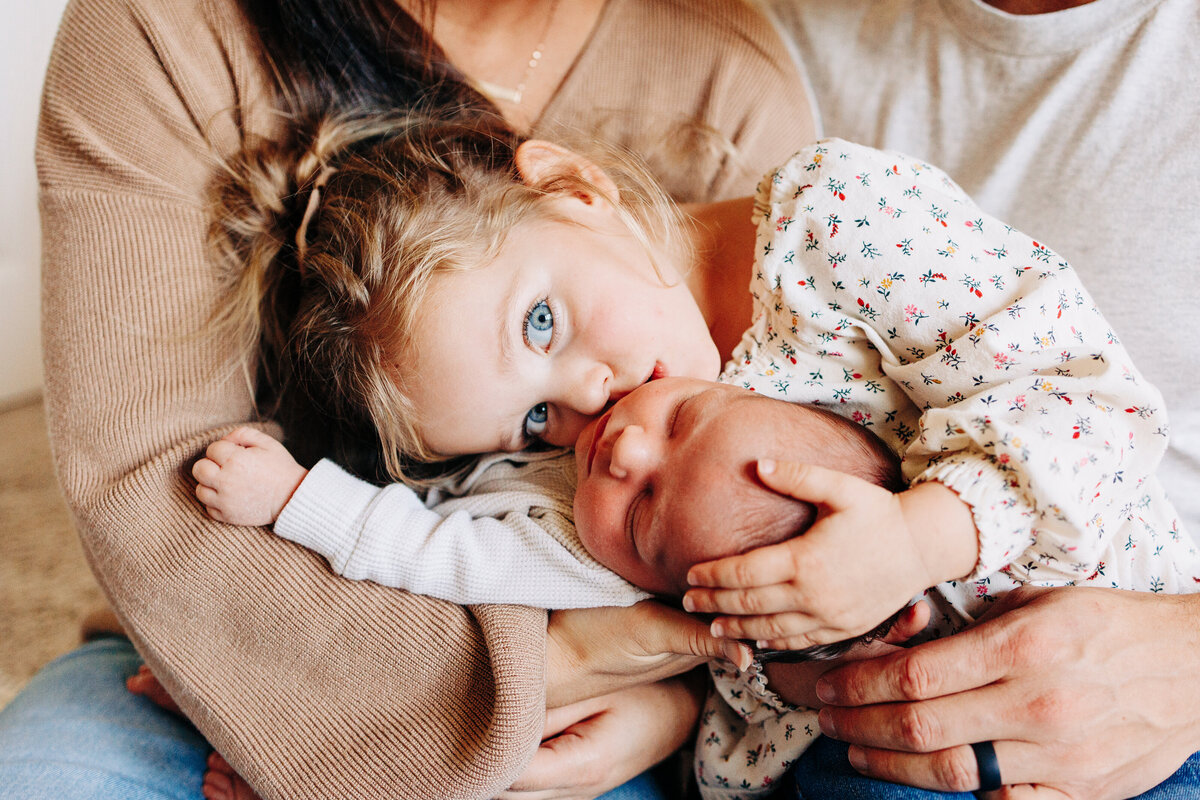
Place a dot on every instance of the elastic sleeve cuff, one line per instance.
(1001, 511)
(326, 512)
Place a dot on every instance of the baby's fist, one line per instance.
(246, 478)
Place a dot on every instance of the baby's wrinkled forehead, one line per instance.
(717, 506)
(749, 425)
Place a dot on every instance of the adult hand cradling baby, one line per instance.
(1023, 678)
(912, 714)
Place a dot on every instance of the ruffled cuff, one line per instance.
(1002, 512)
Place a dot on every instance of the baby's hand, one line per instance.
(246, 478)
(858, 564)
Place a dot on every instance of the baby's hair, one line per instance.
(765, 517)
(332, 239)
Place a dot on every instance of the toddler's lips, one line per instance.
(597, 435)
(660, 371)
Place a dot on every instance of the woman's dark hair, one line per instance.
(352, 58)
(338, 56)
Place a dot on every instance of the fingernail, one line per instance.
(745, 657)
(739, 656)
(688, 603)
(858, 759)
(766, 466)
(717, 630)
(825, 720)
(825, 691)
(762, 644)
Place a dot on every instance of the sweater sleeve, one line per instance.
(312, 686)
(451, 551)
(1029, 407)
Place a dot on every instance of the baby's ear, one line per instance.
(542, 163)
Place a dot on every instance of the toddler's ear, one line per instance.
(540, 163)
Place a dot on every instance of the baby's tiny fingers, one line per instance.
(761, 567)
(760, 600)
(205, 471)
(206, 494)
(221, 451)
(763, 628)
(798, 642)
(248, 437)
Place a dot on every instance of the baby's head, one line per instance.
(451, 288)
(667, 477)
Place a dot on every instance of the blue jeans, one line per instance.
(75, 733)
(824, 772)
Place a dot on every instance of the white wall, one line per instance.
(26, 33)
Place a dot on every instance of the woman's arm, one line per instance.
(278, 662)
(1088, 691)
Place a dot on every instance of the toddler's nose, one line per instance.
(588, 393)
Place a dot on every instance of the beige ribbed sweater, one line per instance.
(311, 685)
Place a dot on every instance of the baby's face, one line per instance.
(661, 473)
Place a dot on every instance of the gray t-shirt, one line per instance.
(1078, 126)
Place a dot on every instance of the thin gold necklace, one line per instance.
(514, 95)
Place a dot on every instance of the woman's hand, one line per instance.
(594, 651)
(1088, 693)
(596, 745)
(869, 552)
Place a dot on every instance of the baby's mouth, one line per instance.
(596, 437)
(659, 371)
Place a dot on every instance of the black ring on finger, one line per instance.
(989, 766)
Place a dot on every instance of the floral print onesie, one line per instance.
(883, 293)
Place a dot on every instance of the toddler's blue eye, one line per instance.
(535, 421)
(539, 325)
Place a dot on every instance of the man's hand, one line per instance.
(1087, 694)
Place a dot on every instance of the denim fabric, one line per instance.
(824, 772)
(75, 733)
(646, 786)
(1183, 785)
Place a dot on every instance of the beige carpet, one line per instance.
(45, 586)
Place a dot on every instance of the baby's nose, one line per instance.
(634, 453)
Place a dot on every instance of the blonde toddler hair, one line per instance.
(331, 240)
